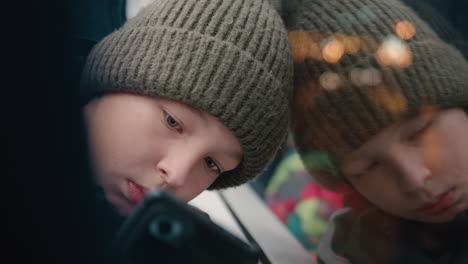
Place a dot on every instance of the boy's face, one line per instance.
(417, 169)
(141, 143)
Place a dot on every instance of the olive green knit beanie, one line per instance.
(230, 58)
(360, 66)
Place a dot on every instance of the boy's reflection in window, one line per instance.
(380, 93)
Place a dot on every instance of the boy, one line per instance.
(187, 95)
(380, 95)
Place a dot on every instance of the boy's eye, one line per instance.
(419, 129)
(212, 165)
(171, 121)
(363, 171)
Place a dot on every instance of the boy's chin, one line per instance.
(122, 207)
(124, 211)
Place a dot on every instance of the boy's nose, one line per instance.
(414, 176)
(175, 168)
(411, 170)
(174, 177)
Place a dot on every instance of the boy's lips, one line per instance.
(135, 192)
(443, 202)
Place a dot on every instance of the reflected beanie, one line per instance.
(230, 58)
(359, 67)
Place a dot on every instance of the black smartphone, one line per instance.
(163, 229)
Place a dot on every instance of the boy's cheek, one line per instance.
(352, 198)
(356, 201)
(432, 142)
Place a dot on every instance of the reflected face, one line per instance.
(417, 169)
(141, 143)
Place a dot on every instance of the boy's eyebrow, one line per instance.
(236, 156)
(197, 112)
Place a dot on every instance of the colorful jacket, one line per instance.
(298, 201)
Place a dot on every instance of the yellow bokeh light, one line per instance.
(394, 52)
(405, 30)
(332, 51)
(330, 81)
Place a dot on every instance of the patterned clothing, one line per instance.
(298, 201)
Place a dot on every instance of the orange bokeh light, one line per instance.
(352, 44)
(394, 103)
(304, 46)
(332, 51)
(405, 30)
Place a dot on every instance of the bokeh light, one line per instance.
(304, 45)
(394, 52)
(405, 30)
(365, 77)
(298, 47)
(330, 81)
(351, 44)
(393, 102)
(332, 50)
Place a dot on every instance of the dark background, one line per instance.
(50, 209)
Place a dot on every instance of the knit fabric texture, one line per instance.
(229, 58)
(361, 66)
